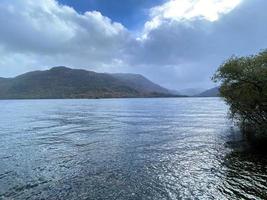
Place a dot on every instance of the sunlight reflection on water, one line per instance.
(125, 149)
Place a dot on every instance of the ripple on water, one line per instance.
(125, 149)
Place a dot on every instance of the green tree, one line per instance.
(244, 88)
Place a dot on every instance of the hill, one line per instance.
(140, 83)
(191, 91)
(213, 92)
(63, 82)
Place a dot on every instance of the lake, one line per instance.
(165, 148)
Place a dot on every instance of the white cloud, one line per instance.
(188, 51)
(185, 40)
(187, 9)
(55, 35)
(181, 10)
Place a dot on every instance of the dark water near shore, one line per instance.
(125, 149)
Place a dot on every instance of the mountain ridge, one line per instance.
(62, 82)
(213, 92)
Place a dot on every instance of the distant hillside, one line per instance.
(63, 82)
(140, 83)
(191, 91)
(213, 92)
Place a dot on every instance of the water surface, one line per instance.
(177, 148)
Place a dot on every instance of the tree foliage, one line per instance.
(244, 87)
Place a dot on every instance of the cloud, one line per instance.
(55, 34)
(180, 45)
(188, 9)
(188, 51)
(182, 10)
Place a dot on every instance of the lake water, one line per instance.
(176, 148)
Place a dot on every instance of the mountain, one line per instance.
(63, 82)
(213, 92)
(191, 91)
(140, 83)
(175, 92)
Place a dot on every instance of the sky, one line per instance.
(175, 43)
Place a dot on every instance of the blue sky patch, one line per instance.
(131, 13)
